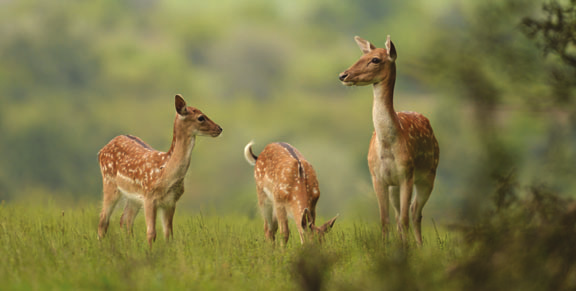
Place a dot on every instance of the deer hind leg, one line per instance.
(267, 210)
(130, 211)
(382, 193)
(423, 190)
(270, 228)
(167, 218)
(283, 224)
(111, 195)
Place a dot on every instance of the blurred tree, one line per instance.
(554, 32)
(498, 77)
(557, 32)
(74, 74)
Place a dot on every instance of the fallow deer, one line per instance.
(403, 152)
(286, 185)
(147, 177)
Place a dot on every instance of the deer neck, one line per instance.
(386, 124)
(178, 156)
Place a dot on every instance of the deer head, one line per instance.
(192, 121)
(373, 66)
(309, 227)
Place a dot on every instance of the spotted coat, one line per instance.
(148, 178)
(287, 186)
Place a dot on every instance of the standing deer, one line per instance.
(147, 177)
(403, 152)
(286, 185)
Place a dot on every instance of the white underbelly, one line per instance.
(134, 196)
(389, 173)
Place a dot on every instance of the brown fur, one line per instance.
(147, 177)
(286, 184)
(403, 151)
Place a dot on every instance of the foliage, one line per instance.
(75, 74)
(525, 244)
(557, 33)
(513, 112)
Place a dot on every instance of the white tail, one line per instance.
(286, 185)
(403, 151)
(148, 177)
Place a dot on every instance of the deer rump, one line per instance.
(286, 186)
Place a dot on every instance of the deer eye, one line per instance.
(201, 118)
(375, 60)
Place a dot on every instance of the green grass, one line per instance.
(527, 244)
(43, 247)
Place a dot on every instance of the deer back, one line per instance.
(288, 176)
(131, 163)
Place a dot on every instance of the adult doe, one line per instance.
(147, 177)
(286, 184)
(403, 152)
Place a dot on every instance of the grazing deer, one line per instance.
(286, 185)
(403, 152)
(147, 177)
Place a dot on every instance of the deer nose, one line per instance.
(343, 76)
(217, 132)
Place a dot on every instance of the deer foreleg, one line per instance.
(382, 193)
(167, 218)
(150, 209)
(405, 197)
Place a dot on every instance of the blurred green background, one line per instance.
(74, 74)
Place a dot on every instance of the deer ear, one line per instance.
(310, 218)
(329, 224)
(364, 45)
(180, 105)
(390, 49)
(304, 219)
(307, 220)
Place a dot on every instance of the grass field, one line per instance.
(43, 247)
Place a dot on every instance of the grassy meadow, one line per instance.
(525, 244)
(47, 248)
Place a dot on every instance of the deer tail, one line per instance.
(249, 154)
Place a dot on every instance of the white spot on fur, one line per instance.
(269, 194)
